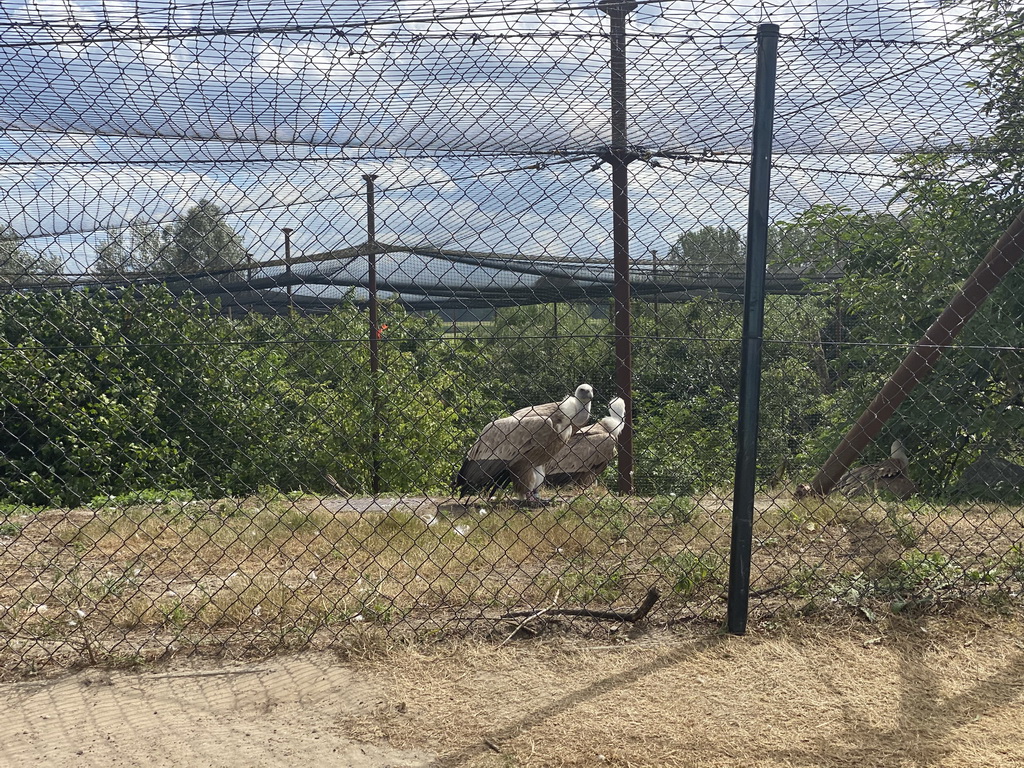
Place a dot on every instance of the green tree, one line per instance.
(19, 266)
(997, 158)
(109, 394)
(709, 251)
(962, 198)
(139, 247)
(203, 240)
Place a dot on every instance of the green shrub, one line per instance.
(105, 395)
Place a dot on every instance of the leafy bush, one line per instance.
(109, 395)
(690, 573)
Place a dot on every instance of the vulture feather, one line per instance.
(513, 450)
(889, 475)
(589, 451)
(584, 393)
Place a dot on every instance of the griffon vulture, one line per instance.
(513, 450)
(584, 393)
(589, 451)
(889, 475)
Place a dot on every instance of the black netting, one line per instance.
(274, 275)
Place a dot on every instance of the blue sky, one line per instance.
(120, 110)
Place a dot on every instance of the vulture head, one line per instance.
(584, 393)
(577, 406)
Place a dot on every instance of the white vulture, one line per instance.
(589, 451)
(889, 475)
(513, 450)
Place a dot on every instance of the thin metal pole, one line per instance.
(371, 279)
(657, 291)
(920, 361)
(288, 266)
(371, 286)
(753, 329)
(619, 158)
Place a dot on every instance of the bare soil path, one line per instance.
(280, 713)
(901, 693)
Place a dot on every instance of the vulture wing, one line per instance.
(507, 451)
(901, 486)
(577, 406)
(511, 437)
(544, 411)
(889, 475)
(587, 455)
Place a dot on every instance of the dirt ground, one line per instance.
(929, 691)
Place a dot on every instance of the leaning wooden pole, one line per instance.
(925, 355)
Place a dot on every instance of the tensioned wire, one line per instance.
(383, 191)
(497, 338)
(361, 18)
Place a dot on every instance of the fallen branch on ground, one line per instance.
(631, 617)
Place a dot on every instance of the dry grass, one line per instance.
(942, 691)
(123, 580)
(936, 691)
(863, 553)
(125, 583)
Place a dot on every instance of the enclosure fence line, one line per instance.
(502, 320)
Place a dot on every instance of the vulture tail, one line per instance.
(482, 476)
(560, 479)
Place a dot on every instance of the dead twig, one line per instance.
(336, 485)
(767, 591)
(529, 616)
(630, 617)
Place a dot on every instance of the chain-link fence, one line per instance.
(276, 282)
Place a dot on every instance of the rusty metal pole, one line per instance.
(371, 286)
(288, 266)
(753, 329)
(657, 292)
(371, 277)
(619, 158)
(916, 366)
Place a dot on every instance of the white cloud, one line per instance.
(387, 93)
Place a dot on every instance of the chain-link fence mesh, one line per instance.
(276, 274)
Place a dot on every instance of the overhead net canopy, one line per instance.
(485, 129)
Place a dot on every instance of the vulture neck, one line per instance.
(899, 454)
(577, 411)
(616, 418)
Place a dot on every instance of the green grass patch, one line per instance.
(676, 510)
(690, 573)
(586, 580)
(902, 526)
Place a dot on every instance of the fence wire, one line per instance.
(275, 283)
